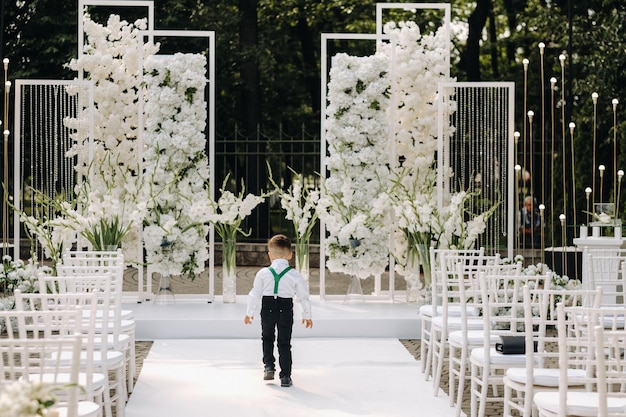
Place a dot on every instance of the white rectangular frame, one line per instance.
(210, 37)
(17, 167)
(378, 36)
(378, 293)
(149, 4)
(114, 3)
(443, 147)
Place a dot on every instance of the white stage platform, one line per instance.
(331, 378)
(331, 318)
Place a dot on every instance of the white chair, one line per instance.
(427, 312)
(503, 315)
(100, 261)
(109, 357)
(577, 347)
(448, 283)
(42, 315)
(609, 352)
(461, 342)
(541, 371)
(606, 269)
(77, 264)
(426, 315)
(42, 361)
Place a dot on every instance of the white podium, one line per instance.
(608, 243)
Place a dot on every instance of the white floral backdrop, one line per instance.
(168, 178)
(381, 130)
(378, 145)
(353, 206)
(175, 164)
(112, 61)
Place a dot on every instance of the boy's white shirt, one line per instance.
(290, 285)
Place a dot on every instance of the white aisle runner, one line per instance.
(332, 378)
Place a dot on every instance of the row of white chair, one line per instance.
(480, 286)
(89, 282)
(45, 362)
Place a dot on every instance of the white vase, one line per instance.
(229, 269)
(355, 291)
(229, 284)
(165, 293)
(302, 260)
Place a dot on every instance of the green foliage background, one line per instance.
(268, 59)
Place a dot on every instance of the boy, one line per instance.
(275, 286)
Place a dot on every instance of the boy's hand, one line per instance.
(308, 323)
(248, 320)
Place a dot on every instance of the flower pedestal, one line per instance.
(355, 291)
(165, 294)
(229, 270)
(302, 260)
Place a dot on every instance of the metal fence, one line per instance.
(246, 158)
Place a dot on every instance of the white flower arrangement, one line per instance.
(27, 399)
(419, 65)
(226, 215)
(421, 223)
(111, 59)
(14, 275)
(176, 166)
(49, 232)
(299, 203)
(17, 274)
(352, 204)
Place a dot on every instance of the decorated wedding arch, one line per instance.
(406, 166)
(408, 163)
(134, 127)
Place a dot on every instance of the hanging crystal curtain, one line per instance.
(42, 141)
(479, 152)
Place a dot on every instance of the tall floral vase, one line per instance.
(418, 275)
(229, 270)
(426, 278)
(413, 284)
(302, 259)
(165, 293)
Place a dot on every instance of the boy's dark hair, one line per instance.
(280, 242)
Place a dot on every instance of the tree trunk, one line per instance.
(493, 40)
(250, 88)
(470, 58)
(251, 114)
(309, 65)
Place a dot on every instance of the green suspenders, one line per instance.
(277, 277)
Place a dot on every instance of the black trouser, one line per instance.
(277, 313)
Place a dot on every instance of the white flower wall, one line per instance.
(176, 167)
(353, 205)
(170, 184)
(111, 59)
(357, 203)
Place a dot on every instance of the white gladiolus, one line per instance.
(111, 60)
